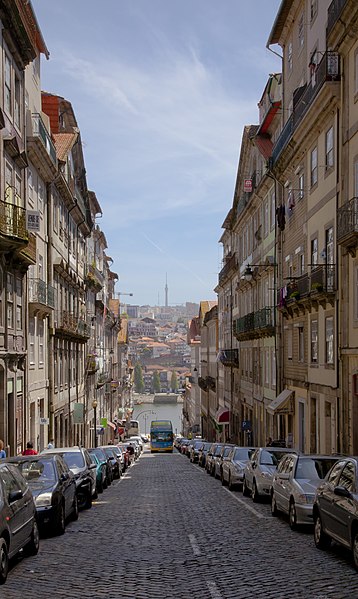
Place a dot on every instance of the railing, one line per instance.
(335, 10)
(229, 357)
(321, 278)
(72, 324)
(256, 323)
(13, 221)
(202, 383)
(41, 293)
(347, 219)
(263, 318)
(327, 70)
(39, 129)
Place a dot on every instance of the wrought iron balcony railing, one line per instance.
(320, 279)
(255, 324)
(72, 324)
(347, 223)
(229, 357)
(229, 267)
(13, 216)
(39, 129)
(327, 70)
(41, 293)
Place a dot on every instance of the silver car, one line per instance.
(218, 459)
(260, 469)
(213, 451)
(294, 486)
(234, 464)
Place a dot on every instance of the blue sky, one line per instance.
(161, 90)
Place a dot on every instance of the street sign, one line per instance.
(246, 425)
(248, 185)
(78, 413)
(33, 220)
(44, 421)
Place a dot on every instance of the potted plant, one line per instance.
(316, 287)
(295, 295)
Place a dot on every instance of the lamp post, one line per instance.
(94, 406)
(145, 418)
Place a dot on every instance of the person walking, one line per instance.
(50, 444)
(29, 449)
(2, 450)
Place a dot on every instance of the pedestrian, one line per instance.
(29, 449)
(50, 444)
(2, 450)
(269, 442)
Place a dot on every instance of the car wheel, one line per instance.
(355, 549)
(223, 481)
(254, 495)
(60, 523)
(245, 489)
(4, 561)
(322, 541)
(100, 487)
(274, 510)
(34, 544)
(292, 516)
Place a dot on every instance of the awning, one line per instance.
(283, 403)
(111, 424)
(222, 416)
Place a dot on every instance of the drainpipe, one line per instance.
(50, 353)
(340, 406)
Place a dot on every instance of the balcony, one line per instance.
(328, 70)
(27, 255)
(202, 383)
(71, 325)
(255, 325)
(92, 364)
(347, 225)
(314, 288)
(40, 148)
(94, 278)
(227, 270)
(41, 297)
(229, 357)
(13, 232)
(335, 10)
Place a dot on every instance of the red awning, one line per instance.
(223, 416)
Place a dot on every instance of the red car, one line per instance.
(126, 455)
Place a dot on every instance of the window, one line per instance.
(267, 367)
(314, 9)
(301, 186)
(289, 344)
(289, 56)
(40, 332)
(32, 341)
(17, 101)
(314, 167)
(329, 340)
(301, 31)
(314, 251)
(273, 367)
(314, 341)
(10, 300)
(329, 148)
(266, 218)
(273, 210)
(30, 186)
(347, 478)
(301, 344)
(55, 215)
(7, 84)
(41, 195)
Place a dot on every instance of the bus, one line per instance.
(161, 436)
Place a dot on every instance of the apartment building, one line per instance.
(213, 420)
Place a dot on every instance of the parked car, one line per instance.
(218, 459)
(214, 457)
(103, 458)
(53, 487)
(139, 440)
(215, 447)
(79, 461)
(203, 450)
(335, 509)
(18, 518)
(114, 461)
(101, 471)
(194, 451)
(233, 466)
(294, 485)
(120, 457)
(260, 469)
(125, 454)
(184, 446)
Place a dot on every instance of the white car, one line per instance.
(139, 441)
(233, 466)
(260, 469)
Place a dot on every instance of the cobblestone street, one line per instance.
(168, 530)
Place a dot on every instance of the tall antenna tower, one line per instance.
(166, 290)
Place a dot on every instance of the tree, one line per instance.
(138, 379)
(174, 382)
(156, 382)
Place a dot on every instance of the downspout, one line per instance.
(70, 435)
(340, 410)
(50, 353)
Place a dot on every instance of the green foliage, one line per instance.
(174, 382)
(138, 379)
(156, 382)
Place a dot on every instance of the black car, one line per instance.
(203, 450)
(53, 488)
(18, 521)
(114, 460)
(335, 509)
(80, 463)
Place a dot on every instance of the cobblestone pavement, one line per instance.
(168, 530)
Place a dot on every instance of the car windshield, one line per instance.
(206, 446)
(74, 459)
(39, 471)
(313, 468)
(99, 453)
(271, 458)
(226, 451)
(108, 451)
(218, 450)
(242, 454)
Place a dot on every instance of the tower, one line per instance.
(166, 290)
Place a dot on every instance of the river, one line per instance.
(146, 411)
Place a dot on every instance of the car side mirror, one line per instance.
(15, 495)
(342, 492)
(64, 477)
